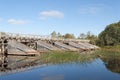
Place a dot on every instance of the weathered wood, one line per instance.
(19, 48)
(31, 44)
(62, 45)
(47, 45)
(4, 52)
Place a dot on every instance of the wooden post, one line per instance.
(5, 48)
(4, 52)
(35, 45)
(32, 44)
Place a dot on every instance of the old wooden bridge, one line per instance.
(28, 45)
(23, 44)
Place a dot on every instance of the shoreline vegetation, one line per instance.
(112, 52)
(68, 56)
(61, 57)
(49, 58)
(82, 56)
(112, 48)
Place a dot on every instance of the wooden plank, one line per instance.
(19, 48)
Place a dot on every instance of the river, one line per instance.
(96, 69)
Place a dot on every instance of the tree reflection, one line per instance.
(112, 63)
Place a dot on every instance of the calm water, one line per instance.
(97, 69)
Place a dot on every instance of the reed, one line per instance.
(66, 56)
(112, 48)
(109, 51)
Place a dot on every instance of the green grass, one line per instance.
(112, 48)
(110, 51)
(66, 56)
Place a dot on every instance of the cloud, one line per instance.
(90, 10)
(52, 14)
(19, 22)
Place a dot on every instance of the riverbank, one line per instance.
(112, 48)
(59, 57)
(67, 56)
(53, 57)
(109, 51)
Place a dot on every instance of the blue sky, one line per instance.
(64, 16)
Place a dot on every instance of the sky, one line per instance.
(42, 17)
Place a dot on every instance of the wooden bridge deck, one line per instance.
(78, 46)
(15, 47)
(67, 47)
(47, 45)
(28, 45)
(32, 44)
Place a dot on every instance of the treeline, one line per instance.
(108, 37)
(88, 35)
(65, 36)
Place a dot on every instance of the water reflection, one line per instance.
(54, 77)
(17, 62)
(80, 69)
(11, 62)
(66, 71)
(112, 63)
(3, 63)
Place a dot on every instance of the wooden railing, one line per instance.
(41, 37)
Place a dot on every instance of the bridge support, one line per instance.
(31, 44)
(4, 53)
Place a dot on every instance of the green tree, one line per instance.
(2, 33)
(93, 38)
(53, 34)
(69, 36)
(111, 35)
(82, 36)
(59, 35)
(88, 36)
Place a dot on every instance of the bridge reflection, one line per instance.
(3, 63)
(17, 62)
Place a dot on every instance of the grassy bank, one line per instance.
(67, 56)
(112, 48)
(63, 56)
(110, 51)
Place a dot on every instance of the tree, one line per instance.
(93, 39)
(2, 34)
(90, 35)
(53, 34)
(59, 35)
(82, 36)
(69, 36)
(111, 35)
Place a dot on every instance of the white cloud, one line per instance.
(14, 21)
(90, 10)
(51, 13)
